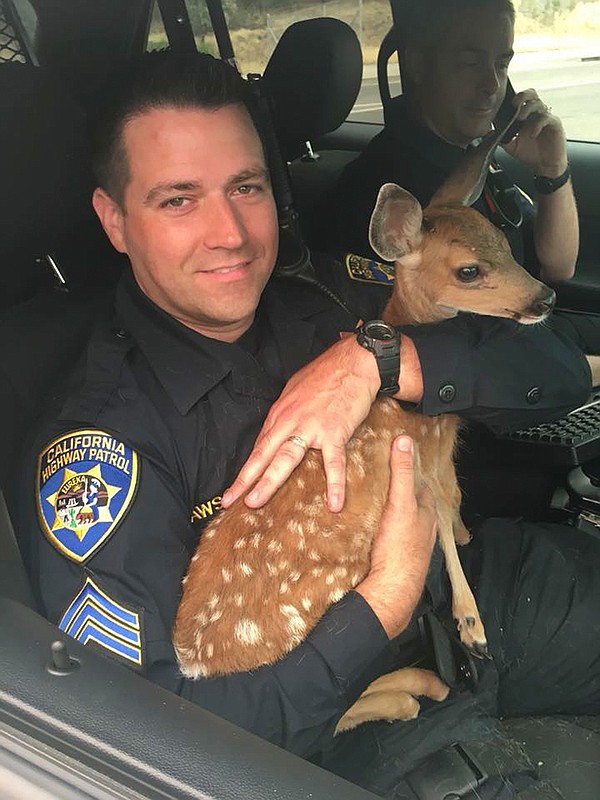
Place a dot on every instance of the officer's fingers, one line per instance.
(288, 456)
(401, 494)
(334, 462)
(262, 455)
(525, 101)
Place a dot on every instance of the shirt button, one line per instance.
(534, 395)
(447, 393)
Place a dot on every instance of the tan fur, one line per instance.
(261, 579)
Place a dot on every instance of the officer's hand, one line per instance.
(321, 406)
(402, 549)
(541, 142)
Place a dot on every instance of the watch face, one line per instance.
(380, 331)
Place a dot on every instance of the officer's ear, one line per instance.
(111, 216)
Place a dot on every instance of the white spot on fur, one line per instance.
(330, 579)
(284, 587)
(271, 569)
(196, 557)
(256, 540)
(316, 572)
(247, 632)
(238, 599)
(209, 650)
(184, 580)
(295, 525)
(336, 595)
(246, 569)
(274, 546)
(215, 616)
(283, 564)
(314, 555)
(249, 518)
(295, 624)
(300, 483)
(294, 577)
(209, 533)
(306, 603)
(201, 618)
(340, 572)
(226, 573)
(423, 430)
(239, 543)
(213, 601)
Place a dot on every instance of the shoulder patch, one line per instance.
(86, 481)
(93, 616)
(367, 270)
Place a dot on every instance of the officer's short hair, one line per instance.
(424, 21)
(160, 79)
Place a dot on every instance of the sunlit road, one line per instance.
(571, 86)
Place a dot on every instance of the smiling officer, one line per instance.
(140, 443)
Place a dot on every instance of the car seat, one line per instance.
(55, 264)
(312, 80)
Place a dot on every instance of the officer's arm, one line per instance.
(489, 370)
(498, 372)
(116, 588)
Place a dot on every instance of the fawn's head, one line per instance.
(449, 257)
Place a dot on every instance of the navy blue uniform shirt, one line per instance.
(140, 443)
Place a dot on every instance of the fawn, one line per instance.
(261, 579)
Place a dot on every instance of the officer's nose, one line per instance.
(489, 79)
(224, 225)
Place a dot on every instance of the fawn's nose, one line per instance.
(544, 304)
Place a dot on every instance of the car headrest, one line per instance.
(313, 78)
(44, 171)
(45, 179)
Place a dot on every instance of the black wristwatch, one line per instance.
(545, 185)
(383, 341)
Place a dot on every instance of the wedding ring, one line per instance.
(299, 441)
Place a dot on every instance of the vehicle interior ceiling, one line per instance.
(59, 270)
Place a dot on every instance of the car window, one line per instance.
(557, 49)
(257, 27)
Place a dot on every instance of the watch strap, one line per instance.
(387, 355)
(545, 185)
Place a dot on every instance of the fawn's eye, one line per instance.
(466, 274)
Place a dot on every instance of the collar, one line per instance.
(188, 365)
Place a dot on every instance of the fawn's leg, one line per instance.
(392, 697)
(464, 607)
(461, 533)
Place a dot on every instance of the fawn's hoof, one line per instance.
(472, 635)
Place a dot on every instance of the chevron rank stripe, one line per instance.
(93, 616)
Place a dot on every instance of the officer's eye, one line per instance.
(173, 202)
(467, 274)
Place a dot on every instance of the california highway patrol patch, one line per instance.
(86, 480)
(367, 270)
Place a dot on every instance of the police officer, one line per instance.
(456, 57)
(133, 458)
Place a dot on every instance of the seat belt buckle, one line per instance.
(454, 663)
(448, 774)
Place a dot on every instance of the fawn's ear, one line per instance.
(395, 228)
